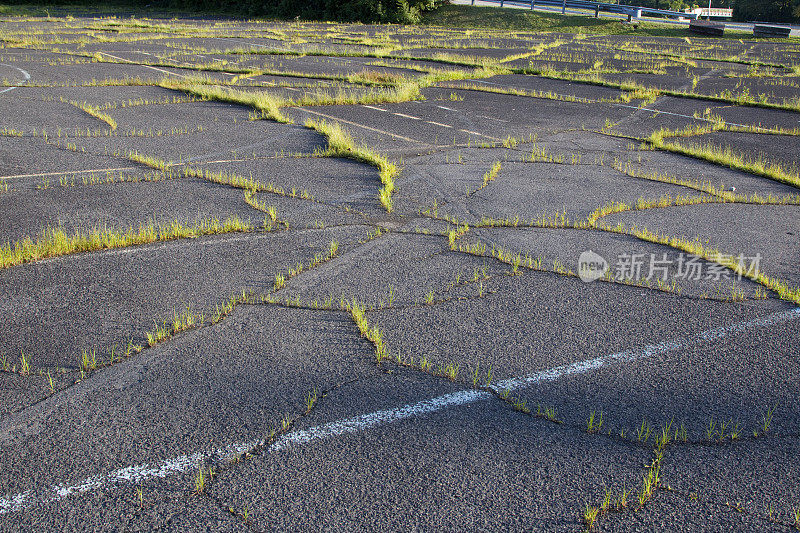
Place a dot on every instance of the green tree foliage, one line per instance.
(406, 11)
(767, 10)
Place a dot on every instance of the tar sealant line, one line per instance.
(24, 74)
(184, 463)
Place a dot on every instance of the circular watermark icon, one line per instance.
(591, 266)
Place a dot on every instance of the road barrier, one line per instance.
(631, 11)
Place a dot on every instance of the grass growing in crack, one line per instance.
(186, 320)
(705, 186)
(311, 400)
(548, 413)
(24, 364)
(455, 234)
(271, 219)
(766, 421)
(429, 297)
(267, 103)
(202, 478)
(88, 360)
(696, 247)
(372, 334)
(450, 371)
(152, 162)
(727, 157)
(590, 515)
(720, 430)
(55, 242)
(644, 431)
(595, 422)
(489, 176)
(651, 479)
(341, 144)
(95, 112)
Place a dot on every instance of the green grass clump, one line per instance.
(372, 334)
(269, 104)
(96, 113)
(341, 144)
(727, 157)
(54, 242)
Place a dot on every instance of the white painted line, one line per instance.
(491, 83)
(493, 118)
(362, 126)
(66, 173)
(481, 135)
(446, 108)
(406, 116)
(417, 118)
(145, 66)
(379, 418)
(657, 112)
(373, 107)
(357, 424)
(705, 337)
(25, 75)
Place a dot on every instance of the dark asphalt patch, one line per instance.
(337, 181)
(27, 108)
(733, 381)
(539, 190)
(39, 160)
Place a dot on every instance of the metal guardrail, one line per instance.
(631, 11)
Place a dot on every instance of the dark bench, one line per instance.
(707, 27)
(769, 30)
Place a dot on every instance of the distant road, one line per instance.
(551, 9)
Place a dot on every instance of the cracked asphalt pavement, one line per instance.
(536, 282)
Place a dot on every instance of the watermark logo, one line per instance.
(591, 266)
(637, 267)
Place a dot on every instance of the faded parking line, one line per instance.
(24, 74)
